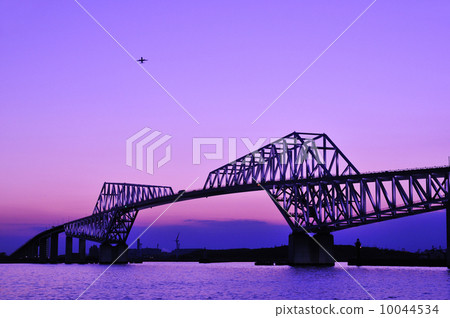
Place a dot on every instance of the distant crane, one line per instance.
(177, 241)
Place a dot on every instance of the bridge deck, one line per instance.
(371, 176)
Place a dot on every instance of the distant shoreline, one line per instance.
(369, 256)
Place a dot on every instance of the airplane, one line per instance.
(141, 60)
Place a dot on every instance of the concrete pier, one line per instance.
(109, 254)
(69, 250)
(304, 251)
(327, 242)
(54, 247)
(82, 250)
(43, 255)
(33, 251)
(105, 254)
(447, 215)
(119, 249)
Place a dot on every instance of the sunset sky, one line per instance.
(71, 96)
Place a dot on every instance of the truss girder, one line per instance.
(115, 212)
(332, 204)
(116, 195)
(295, 156)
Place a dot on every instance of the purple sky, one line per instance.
(70, 97)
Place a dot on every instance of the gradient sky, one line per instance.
(70, 97)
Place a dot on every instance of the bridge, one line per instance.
(311, 182)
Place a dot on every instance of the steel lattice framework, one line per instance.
(315, 186)
(330, 204)
(115, 212)
(295, 156)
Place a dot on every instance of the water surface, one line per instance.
(164, 280)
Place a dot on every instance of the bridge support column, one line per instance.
(33, 251)
(109, 254)
(118, 250)
(304, 251)
(105, 254)
(43, 256)
(69, 250)
(327, 242)
(82, 250)
(54, 247)
(36, 250)
(447, 215)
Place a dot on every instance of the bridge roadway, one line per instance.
(433, 204)
(436, 204)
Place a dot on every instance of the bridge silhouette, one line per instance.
(312, 183)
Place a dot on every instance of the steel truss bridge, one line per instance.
(312, 183)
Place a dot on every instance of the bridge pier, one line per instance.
(119, 249)
(304, 251)
(43, 256)
(36, 250)
(447, 215)
(82, 250)
(54, 247)
(105, 254)
(109, 254)
(32, 252)
(69, 250)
